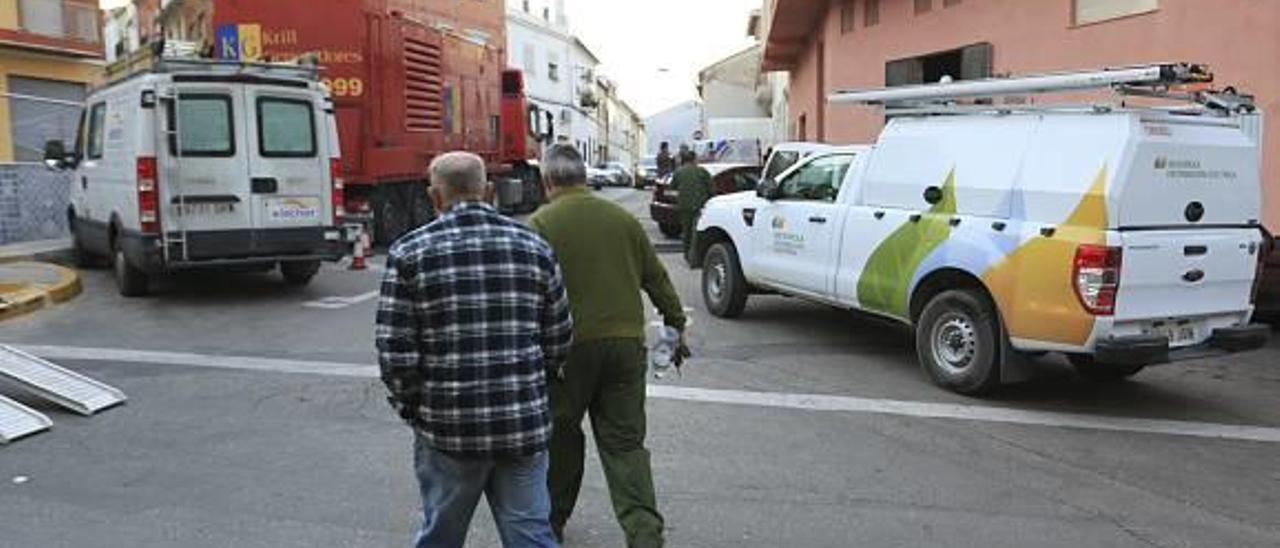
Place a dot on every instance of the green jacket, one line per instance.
(607, 259)
(694, 185)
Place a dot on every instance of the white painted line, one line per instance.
(930, 410)
(336, 303)
(776, 400)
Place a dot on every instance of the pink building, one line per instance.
(828, 45)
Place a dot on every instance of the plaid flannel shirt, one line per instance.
(472, 319)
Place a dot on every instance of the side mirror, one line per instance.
(769, 189)
(933, 195)
(55, 155)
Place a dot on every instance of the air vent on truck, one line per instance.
(423, 86)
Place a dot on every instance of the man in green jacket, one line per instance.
(694, 185)
(607, 260)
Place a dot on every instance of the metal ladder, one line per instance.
(173, 174)
(19, 421)
(51, 382)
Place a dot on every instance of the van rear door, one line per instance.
(1189, 204)
(289, 158)
(203, 159)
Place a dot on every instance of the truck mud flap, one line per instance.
(59, 385)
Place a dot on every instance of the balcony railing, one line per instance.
(60, 19)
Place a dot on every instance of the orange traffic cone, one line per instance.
(358, 254)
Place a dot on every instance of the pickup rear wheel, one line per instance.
(724, 288)
(1089, 369)
(957, 342)
(670, 230)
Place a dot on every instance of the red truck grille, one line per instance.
(423, 86)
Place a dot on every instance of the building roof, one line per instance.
(790, 24)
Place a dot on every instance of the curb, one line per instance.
(33, 297)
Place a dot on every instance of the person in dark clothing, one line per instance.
(608, 262)
(693, 182)
(666, 162)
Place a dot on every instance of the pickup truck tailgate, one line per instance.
(1187, 272)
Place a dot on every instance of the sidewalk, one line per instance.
(27, 285)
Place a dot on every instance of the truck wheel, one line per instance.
(1091, 370)
(957, 342)
(299, 273)
(131, 281)
(724, 288)
(669, 230)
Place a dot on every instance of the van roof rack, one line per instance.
(299, 70)
(1156, 80)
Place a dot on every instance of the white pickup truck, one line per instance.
(1119, 237)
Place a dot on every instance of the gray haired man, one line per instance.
(473, 320)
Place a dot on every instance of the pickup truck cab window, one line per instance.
(818, 180)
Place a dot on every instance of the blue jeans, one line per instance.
(451, 487)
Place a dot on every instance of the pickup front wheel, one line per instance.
(724, 288)
(957, 341)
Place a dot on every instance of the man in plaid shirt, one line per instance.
(472, 321)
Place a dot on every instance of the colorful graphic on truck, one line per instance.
(886, 280)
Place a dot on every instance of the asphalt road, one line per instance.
(794, 426)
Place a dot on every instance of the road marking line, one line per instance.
(777, 400)
(336, 303)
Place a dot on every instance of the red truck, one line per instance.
(410, 79)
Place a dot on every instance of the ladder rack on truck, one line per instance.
(1156, 81)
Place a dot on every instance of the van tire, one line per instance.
(958, 342)
(724, 288)
(81, 257)
(1091, 370)
(131, 281)
(299, 273)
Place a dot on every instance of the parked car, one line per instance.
(784, 155)
(1120, 238)
(599, 177)
(647, 172)
(725, 179)
(197, 166)
(618, 174)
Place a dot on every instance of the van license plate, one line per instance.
(205, 209)
(293, 209)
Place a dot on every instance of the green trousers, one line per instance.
(605, 378)
(688, 231)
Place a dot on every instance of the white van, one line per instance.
(204, 164)
(1121, 237)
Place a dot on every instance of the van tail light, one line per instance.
(148, 195)
(1097, 278)
(339, 190)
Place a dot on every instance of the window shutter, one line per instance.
(1093, 11)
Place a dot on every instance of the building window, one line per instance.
(924, 6)
(802, 128)
(42, 110)
(525, 5)
(871, 13)
(960, 64)
(553, 71)
(847, 19)
(530, 60)
(1093, 11)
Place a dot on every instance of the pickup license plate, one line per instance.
(293, 209)
(205, 209)
(1178, 335)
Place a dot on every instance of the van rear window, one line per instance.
(204, 126)
(286, 128)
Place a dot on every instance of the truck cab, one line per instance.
(1119, 237)
(200, 164)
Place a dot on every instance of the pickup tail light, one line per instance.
(339, 190)
(148, 195)
(1096, 277)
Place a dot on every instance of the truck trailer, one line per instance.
(410, 79)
